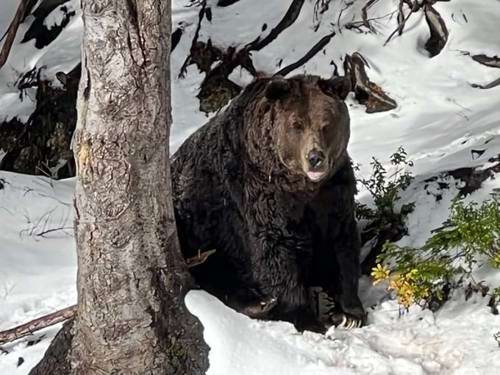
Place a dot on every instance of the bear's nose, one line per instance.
(315, 157)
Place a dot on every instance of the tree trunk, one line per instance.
(132, 279)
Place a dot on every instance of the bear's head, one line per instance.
(304, 122)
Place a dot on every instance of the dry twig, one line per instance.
(364, 14)
(401, 19)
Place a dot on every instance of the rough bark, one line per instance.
(131, 316)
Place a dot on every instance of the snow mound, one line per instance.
(457, 340)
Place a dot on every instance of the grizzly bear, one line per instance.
(269, 185)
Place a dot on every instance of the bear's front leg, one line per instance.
(340, 273)
(280, 263)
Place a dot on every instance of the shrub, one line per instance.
(385, 220)
(470, 236)
(385, 189)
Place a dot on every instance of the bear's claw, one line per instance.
(345, 321)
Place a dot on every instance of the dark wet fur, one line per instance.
(275, 232)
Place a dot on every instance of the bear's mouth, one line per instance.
(316, 176)
(315, 164)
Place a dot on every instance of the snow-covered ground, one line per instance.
(440, 119)
(60, 56)
(38, 260)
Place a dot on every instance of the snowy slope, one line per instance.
(38, 260)
(440, 119)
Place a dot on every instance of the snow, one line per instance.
(62, 55)
(456, 340)
(36, 220)
(56, 17)
(38, 266)
(276, 347)
(8, 11)
(440, 119)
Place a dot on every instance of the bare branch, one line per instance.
(199, 259)
(37, 324)
(288, 19)
(43, 233)
(402, 20)
(201, 15)
(490, 85)
(492, 62)
(311, 53)
(364, 14)
(366, 91)
(320, 7)
(24, 7)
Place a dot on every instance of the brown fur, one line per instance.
(242, 185)
(303, 119)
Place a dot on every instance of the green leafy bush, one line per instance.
(420, 275)
(386, 220)
(385, 189)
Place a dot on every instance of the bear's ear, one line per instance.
(338, 86)
(277, 88)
